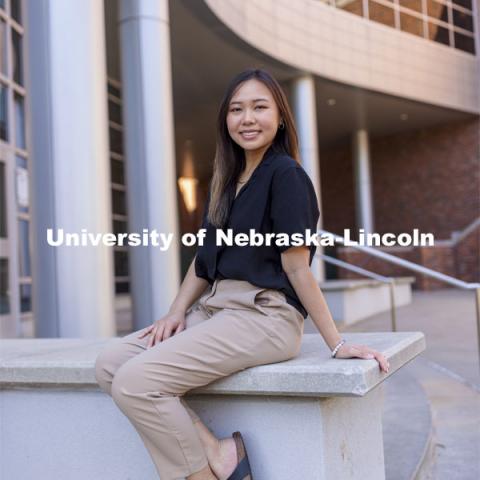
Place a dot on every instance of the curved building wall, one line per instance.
(344, 47)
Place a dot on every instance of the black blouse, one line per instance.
(279, 197)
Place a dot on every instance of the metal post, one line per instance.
(392, 305)
(477, 304)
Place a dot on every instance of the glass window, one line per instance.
(121, 263)
(438, 34)
(118, 202)
(437, 10)
(119, 226)
(463, 20)
(381, 14)
(16, 10)
(355, 6)
(21, 161)
(113, 90)
(3, 47)
(122, 287)
(411, 24)
(114, 112)
(25, 298)
(412, 5)
(23, 248)
(464, 42)
(117, 171)
(3, 202)
(19, 121)
(17, 57)
(3, 113)
(115, 140)
(463, 3)
(4, 296)
(22, 189)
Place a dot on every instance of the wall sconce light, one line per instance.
(188, 188)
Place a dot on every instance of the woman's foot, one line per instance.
(223, 459)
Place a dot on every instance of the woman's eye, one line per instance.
(237, 109)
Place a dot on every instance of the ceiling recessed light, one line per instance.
(331, 102)
(403, 116)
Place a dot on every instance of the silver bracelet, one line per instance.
(335, 350)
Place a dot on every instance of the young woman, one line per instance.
(253, 299)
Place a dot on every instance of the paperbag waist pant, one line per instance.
(233, 326)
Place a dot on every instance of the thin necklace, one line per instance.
(249, 177)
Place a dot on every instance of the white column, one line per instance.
(363, 181)
(150, 154)
(304, 109)
(70, 185)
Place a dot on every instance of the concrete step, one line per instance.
(407, 427)
(455, 408)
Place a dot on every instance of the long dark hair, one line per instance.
(229, 159)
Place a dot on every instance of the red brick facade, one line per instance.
(467, 257)
(427, 179)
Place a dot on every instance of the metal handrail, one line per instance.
(381, 278)
(405, 263)
(420, 269)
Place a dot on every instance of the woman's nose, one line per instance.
(248, 116)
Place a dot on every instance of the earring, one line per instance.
(281, 126)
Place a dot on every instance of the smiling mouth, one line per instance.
(249, 135)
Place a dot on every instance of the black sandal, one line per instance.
(242, 471)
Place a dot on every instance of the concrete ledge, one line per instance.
(325, 413)
(350, 301)
(70, 362)
(353, 284)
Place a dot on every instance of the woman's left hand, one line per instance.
(352, 350)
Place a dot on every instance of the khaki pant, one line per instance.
(234, 325)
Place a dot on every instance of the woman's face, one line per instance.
(253, 116)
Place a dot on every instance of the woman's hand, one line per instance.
(351, 350)
(162, 329)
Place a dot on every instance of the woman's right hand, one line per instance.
(162, 329)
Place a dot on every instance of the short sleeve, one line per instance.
(294, 205)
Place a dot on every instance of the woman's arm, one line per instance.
(173, 321)
(190, 290)
(295, 265)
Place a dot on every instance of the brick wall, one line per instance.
(427, 179)
(440, 259)
(467, 257)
